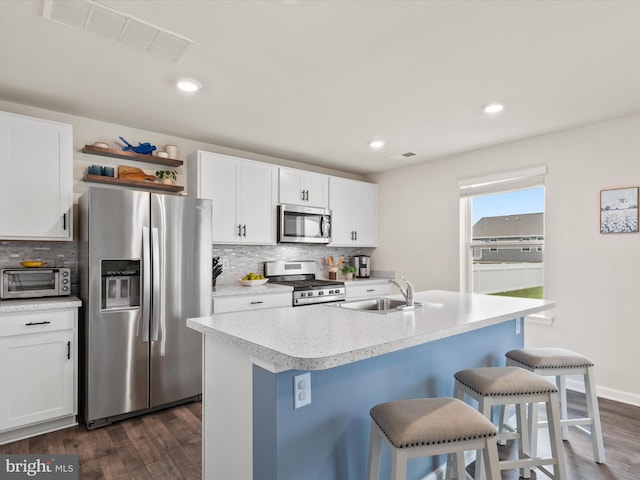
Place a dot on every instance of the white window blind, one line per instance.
(503, 182)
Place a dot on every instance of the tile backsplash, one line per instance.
(242, 259)
(250, 258)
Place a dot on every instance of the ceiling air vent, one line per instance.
(398, 157)
(94, 17)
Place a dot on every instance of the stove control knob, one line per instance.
(302, 294)
(336, 291)
(320, 292)
(309, 294)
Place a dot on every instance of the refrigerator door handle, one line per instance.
(157, 304)
(146, 282)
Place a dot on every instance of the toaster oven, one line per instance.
(34, 282)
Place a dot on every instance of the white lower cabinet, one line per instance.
(355, 291)
(238, 303)
(38, 372)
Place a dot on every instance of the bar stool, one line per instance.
(491, 386)
(559, 363)
(430, 426)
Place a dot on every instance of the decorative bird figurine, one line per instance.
(143, 148)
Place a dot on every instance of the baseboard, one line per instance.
(577, 385)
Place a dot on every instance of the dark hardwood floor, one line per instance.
(161, 445)
(166, 445)
(621, 429)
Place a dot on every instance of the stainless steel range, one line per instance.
(307, 289)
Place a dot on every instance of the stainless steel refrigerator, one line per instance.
(145, 267)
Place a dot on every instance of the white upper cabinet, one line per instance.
(299, 187)
(244, 195)
(36, 159)
(354, 213)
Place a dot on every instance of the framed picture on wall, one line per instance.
(619, 210)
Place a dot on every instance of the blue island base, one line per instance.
(329, 439)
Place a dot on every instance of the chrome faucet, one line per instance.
(406, 293)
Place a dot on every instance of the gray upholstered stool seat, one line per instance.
(430, 426)
(559, 362)
(549, 358)
(501, 386)
(499, 381)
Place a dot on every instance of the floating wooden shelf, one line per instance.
(133, 183)
(112, 152)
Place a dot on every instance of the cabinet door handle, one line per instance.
(68, 350)
(307, 195)
(244, 230)
(302, 194)
(239, 230)
(64, 221)
(37, 323)
(356, 235)
(371, 289)
(257, 302)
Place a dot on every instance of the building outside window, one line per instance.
(502, 244)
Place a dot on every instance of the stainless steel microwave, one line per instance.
(297, 224)
(34, 282)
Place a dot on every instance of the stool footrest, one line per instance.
(529, 462)
(513, 435)
(569, 422)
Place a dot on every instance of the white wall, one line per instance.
(593, 278)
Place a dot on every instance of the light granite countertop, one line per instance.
(230, 289)
(318, 337)
(33, 304)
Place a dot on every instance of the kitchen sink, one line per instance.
(377, 305)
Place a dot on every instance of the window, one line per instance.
(502, 217)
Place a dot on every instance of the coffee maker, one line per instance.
(363, 266)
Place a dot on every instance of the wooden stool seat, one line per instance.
(430, 426)
(501, 386)
(559, 362)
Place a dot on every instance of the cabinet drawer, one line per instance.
(251, 302)
(367, 290)
(22, 323)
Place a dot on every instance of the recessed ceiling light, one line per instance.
(493, 108)
(188, 85)
(377, 143)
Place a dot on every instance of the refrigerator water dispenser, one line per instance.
(120, 284)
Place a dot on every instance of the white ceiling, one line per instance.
(314, 81)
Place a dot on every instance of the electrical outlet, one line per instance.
(301, 390)
(225, 264)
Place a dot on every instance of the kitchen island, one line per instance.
(356, 359)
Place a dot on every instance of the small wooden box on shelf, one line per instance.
(114, 153)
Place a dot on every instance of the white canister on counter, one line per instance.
(172, 151)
